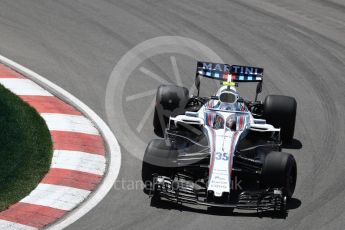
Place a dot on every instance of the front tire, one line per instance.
(158, 159)
(280, 171)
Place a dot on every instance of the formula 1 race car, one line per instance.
(223, 150)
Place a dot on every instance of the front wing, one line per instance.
(259, 200)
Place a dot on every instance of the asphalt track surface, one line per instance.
(301, 45)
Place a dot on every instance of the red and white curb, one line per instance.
(81, 142)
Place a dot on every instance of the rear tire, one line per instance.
(280, 171)
(280, 111)
(171, 100)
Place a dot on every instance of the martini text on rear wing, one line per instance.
(230, 73)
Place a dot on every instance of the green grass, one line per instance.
(25, 148)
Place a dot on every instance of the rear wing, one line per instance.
(230, 73)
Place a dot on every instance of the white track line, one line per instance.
(113, 148)
(154, 76)
(23, 87)
(4, 224)
(176, 71)
(79, 161)
(69, 123)
(146, 116)
(56, 196)
(141, 95)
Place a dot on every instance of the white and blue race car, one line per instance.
(223, 150)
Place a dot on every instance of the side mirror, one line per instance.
(191, 114)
